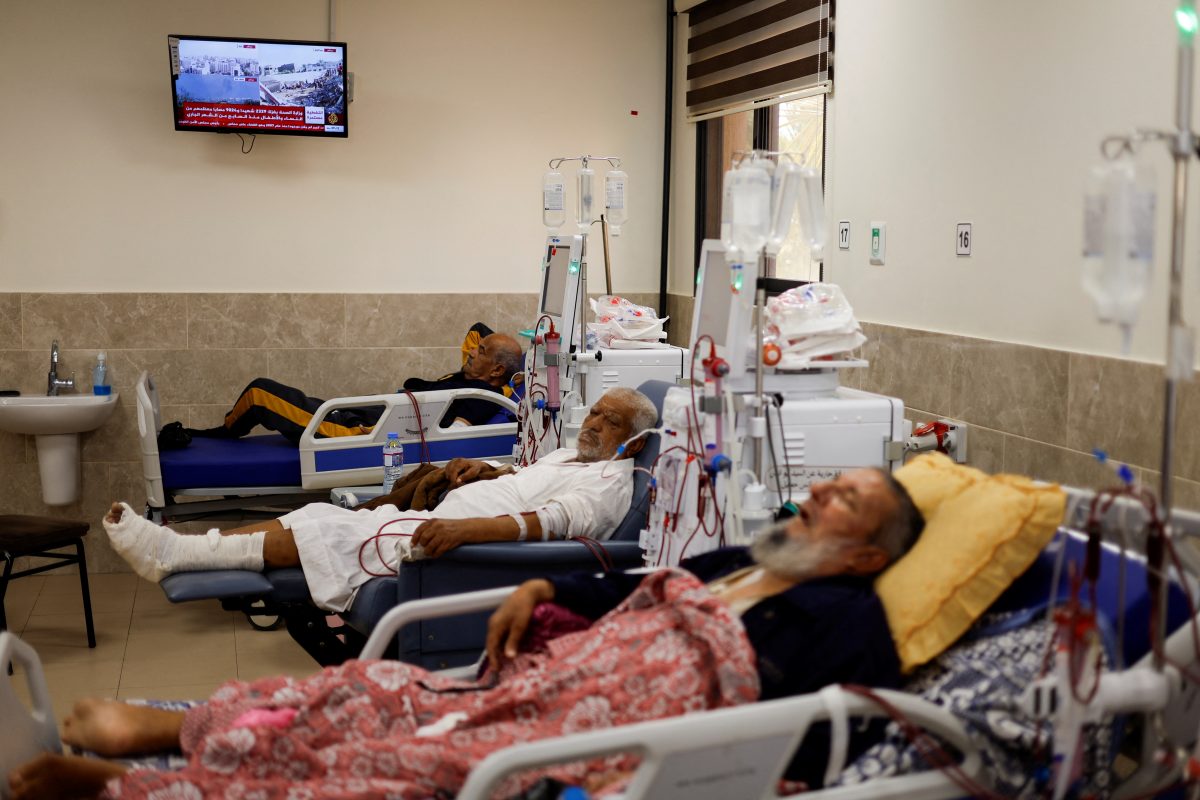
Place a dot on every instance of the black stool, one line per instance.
(22, 535)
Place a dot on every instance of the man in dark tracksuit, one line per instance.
(490, 364)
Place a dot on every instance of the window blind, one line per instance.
(744, 51)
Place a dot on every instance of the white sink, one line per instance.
(56, 423)
(35, 415)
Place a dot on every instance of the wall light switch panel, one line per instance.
(878, 242)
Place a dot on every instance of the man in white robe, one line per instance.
(583, 492)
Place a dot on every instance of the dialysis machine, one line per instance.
(819, 427)
(564, 378)
(744, 443)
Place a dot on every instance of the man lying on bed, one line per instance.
(490, 365)
(791, 614)
(582, 492)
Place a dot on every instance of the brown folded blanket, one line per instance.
(423, 488)
(401, 495)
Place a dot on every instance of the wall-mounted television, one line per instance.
(233, 85)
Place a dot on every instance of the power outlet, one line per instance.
(956, 446)
(946, 435)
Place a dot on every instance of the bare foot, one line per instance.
(114, 729)
(51, 776)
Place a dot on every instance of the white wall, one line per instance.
(458, 106)
(990, 113)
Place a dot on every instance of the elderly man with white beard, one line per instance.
(567, 493)
(804, 592)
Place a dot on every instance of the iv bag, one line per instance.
(786, 186)
(751, 220)
(614, 200)
(812, 212)
(554, 212)
(584, 184)
(727, 214)
(1118, 242)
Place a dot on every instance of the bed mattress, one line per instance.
(252, 461)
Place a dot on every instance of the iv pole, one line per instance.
(1180, 355)
(1180, 346)
(556, 163)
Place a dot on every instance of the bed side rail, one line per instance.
(735, 752)
(25, 733)
(149, 420)
(355, 460)
(430, 608)
(696, 757)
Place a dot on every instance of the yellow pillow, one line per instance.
(981, 532)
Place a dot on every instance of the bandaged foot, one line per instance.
(155, 552)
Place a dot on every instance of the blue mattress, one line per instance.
(253, 461)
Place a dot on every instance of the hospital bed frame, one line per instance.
(734, 752)
(742, 751)
(323, 462)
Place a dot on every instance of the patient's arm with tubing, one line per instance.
(438, 536)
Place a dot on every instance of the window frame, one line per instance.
(710, 173)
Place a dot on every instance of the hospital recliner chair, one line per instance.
(434, 644)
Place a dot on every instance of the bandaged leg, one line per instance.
(155, 552)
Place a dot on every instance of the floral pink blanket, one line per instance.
(383, 729)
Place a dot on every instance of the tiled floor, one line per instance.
(145, 646)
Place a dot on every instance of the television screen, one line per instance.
(258, 86)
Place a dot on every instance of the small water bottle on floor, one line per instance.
(393, 461)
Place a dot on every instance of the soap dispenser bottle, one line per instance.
(100, 384)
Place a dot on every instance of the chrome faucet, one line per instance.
(53, 382)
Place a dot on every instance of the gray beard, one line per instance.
(586, 452)
(778, 553)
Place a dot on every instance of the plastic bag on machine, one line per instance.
(814, 308)
(812, 321)
(617, 321)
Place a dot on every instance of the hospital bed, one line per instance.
(435, 644)
(266, 474)
(742, 752)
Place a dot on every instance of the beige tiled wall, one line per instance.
(202, 349)
(1030, 410)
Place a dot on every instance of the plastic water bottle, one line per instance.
(100, 384)
(393, 461)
